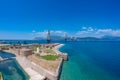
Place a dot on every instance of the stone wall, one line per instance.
(64, 56)
(50, 75)
(20, 52)
(44, 72)
(26, 52)
(59, 69)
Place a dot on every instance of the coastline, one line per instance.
(64, 57)
(27, 66)
(30, 68)
(59, 69)
(56, 48)
(59, 46)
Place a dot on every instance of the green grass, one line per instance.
(48, 57)
(34, 48)
(49, 51)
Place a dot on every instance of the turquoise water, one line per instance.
(6, 55)
(91, 61)
(11, 70)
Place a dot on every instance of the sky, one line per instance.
(26, 19)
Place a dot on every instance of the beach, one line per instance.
(56, 48)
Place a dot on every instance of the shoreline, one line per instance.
(64, 57)
(59, 46)
(28, 66)
(56, 48)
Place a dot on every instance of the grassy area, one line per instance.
(49, 51)
(48, 57)
(34, 48)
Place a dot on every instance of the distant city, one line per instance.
(59, 38)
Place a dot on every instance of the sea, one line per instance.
(91, 60)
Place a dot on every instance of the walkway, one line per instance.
(34, 75)
(26, 65)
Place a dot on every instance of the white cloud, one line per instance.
(91, 32)
(90, 29)
(117, 32)
(52, 32)
(84, 28)
(85, 32)
(33, 31)
(41, 34)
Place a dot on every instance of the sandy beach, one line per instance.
(56, 48)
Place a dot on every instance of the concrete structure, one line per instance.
(34, 75)
(64, 56)
(22, 51)
(25, 63)
(26, 52)
(29, 68)
(38, 50)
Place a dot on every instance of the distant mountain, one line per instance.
(39, 38)
(111, 38)
(58, 38)
(87, 39)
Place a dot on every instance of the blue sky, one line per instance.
(24, 19)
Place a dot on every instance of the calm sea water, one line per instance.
(92, 61)
(11, 70)
(6, 55)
